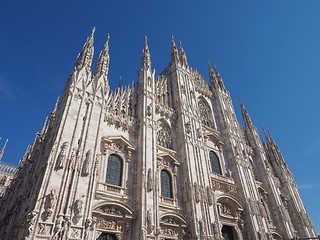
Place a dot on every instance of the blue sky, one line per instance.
(266, 51)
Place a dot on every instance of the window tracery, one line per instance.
(205, 114)
(215, 163)
(114, 170)
(164, 138)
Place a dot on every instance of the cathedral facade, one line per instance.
(163, 158)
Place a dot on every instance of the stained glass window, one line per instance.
(114, 170)
(166, 187)
(215, 163)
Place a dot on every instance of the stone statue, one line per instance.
(197, 192)
(86, 164)
(150, 182)
(58, 228)
(78, 208)
(62, 156)
(51, 202)
(150, 220)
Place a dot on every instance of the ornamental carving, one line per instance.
(164, 138)
(169, 231)
(205, 114)
(106, 224)
(110, 210)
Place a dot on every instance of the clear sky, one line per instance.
(266, 51)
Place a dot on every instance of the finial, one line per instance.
(172, 38)
(108, 37)
(119, 85)
(180, 44)
(93, 30)
(242, 106)
(55, 106)
(145, 39)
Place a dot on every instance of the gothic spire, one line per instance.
(183, 56)
(219, 79)
(84, 59)
(119, 84)
(213, 78)
(266, 135)
(245, 115)
(55, 106)
(103, 61)
(44, 127)
(2, 150)
(145, 59)
(174, 51)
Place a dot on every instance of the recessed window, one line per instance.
(215, 163)
(114, 170)
(166, 185)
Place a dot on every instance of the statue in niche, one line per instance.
(62, 156)
(58, 228)
(150, 220)
(51, 202)
(79, 204)
(86, 164)
(210, 196)
(31, 218)
(197, 192)
(65, 226)
(150, 182)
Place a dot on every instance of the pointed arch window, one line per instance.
(166, 184)
(205, 114)
(215, 163)
(164, 135)
(114, 170)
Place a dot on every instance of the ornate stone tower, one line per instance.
(165, 158)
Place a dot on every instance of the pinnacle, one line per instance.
(93, 30)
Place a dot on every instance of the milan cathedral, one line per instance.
(162, 158)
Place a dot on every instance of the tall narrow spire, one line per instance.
(213, 78)
(84, 59)
(245, 115)
(174, 51)
(219, 79)
(2, 150)
(119, 84)
(103, 61)
(183, 56)
(266, 135)
(145, 59)
(44, 127)
(55, 106)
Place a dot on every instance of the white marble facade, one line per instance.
(163, 158)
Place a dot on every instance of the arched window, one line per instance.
(215, 163)
(166, 186)
(205, 114)
(114, 170)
